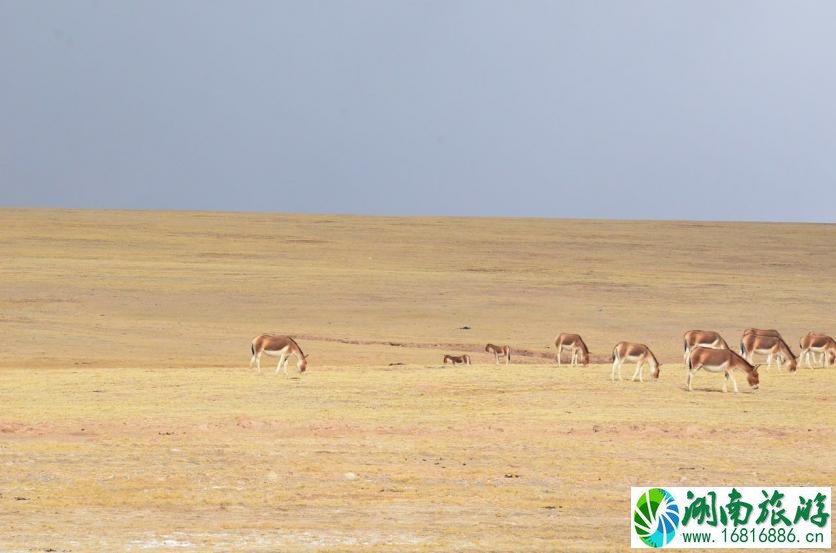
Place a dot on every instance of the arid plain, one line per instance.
(129, 419)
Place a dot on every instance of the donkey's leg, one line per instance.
(258, 361)
(638, 371)
(725, 381)
(614, 365)
(281, 361)
(751, 360)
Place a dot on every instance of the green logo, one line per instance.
(656, 517)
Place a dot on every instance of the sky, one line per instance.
(629, 109)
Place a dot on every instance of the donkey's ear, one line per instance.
(306, 356)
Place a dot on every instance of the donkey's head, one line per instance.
(754, 378)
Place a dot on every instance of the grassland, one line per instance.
(130, 421)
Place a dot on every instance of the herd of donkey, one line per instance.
(703, 349)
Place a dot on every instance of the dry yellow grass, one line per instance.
(118, 431)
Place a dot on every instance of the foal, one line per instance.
(457, 359)
(504, 351)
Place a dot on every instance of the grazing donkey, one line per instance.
(576, 346)
(702, 338)
(763, 332)
(632, 352)
(769, 343)
(721, 360)
(277, 346)
(457, 359)
(814, 344)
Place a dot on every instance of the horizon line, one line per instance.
(409, 216)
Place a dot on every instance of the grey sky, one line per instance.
(618, 109)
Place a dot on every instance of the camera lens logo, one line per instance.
(656, 517)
